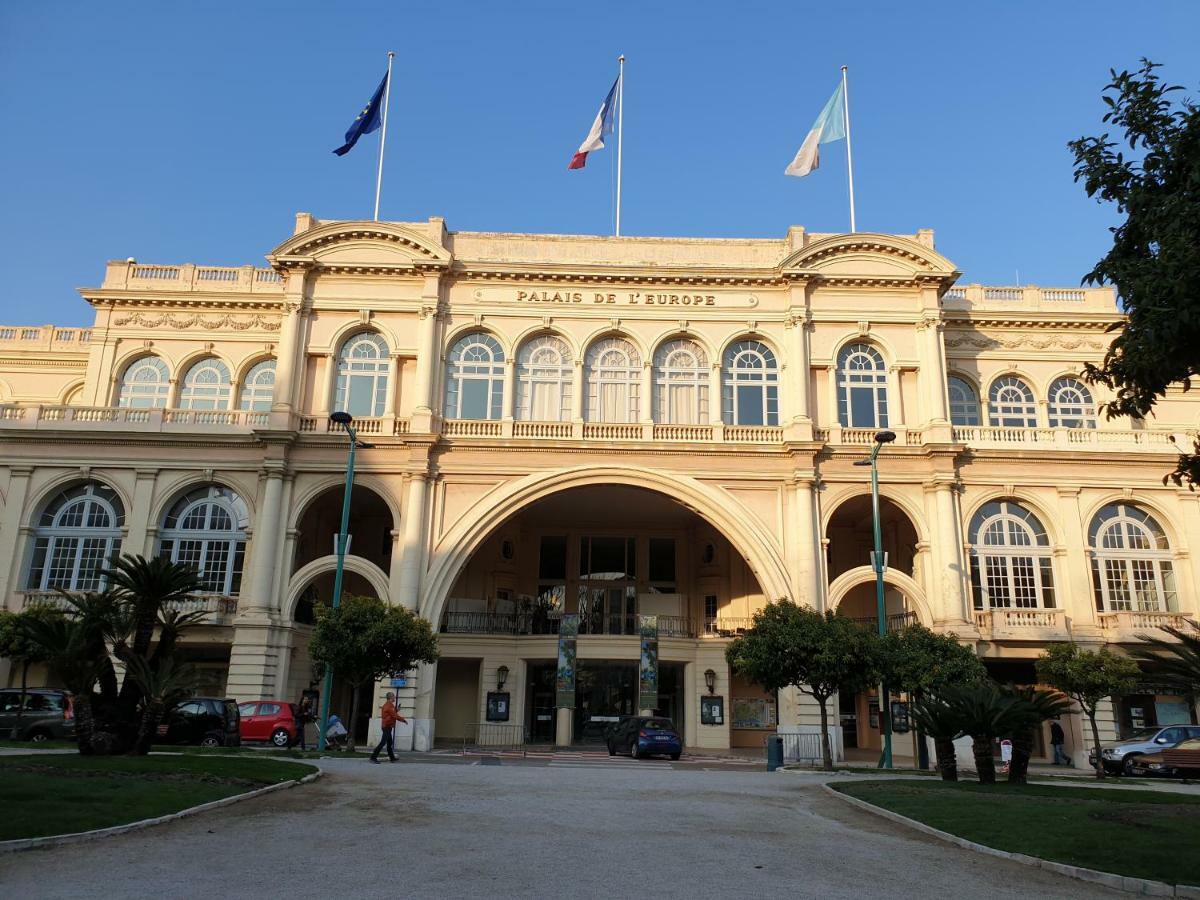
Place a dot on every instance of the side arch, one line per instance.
(847, 581)
(356, 564)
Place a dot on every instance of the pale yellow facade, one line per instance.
(537, 404)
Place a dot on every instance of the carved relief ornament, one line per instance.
(171, 320)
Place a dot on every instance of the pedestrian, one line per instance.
(1057, 739)
(304, 715)
(388, 717)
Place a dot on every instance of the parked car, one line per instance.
(207, 721)
(1156, 763)
(1121, 757)
(269, 720)
(48, 715)
(644, 736)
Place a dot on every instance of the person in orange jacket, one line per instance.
(388, 718)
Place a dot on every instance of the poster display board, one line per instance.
(712, 710)
(497, 706)
(648, 664)
(564, 693)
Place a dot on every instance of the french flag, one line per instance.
(602, 126)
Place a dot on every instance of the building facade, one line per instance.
(603, 429)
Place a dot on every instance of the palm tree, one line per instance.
(986, 713)
(160, 687)
(1174, 662)
(1036, 706)
(148, 585)
(68, 647)
(940, 720)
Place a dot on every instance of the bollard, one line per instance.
(774, 752)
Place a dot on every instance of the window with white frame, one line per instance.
(862, 387)
(145, 384)
(258, 387)
(545, 371)
(1131, 561)
(474, 378)
(612, 371)
(205, 529)
(964, 402)
(1011, 558)
(750, 385)
(206, 385)
(1011, 404)
(1071, 405)
(362, 375)
(76, 537)
(681, 380)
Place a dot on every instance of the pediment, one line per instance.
(869, 257)
(361, 246)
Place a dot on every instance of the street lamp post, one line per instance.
(344, 419)
(885, 708)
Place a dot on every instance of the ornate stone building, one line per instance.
(607, 428)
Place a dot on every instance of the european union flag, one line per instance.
(368, 120)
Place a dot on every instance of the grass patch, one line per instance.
(62, 794)
(1137, 833)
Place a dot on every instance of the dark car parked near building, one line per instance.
(47, 715)
(207, 721)
(644, 736)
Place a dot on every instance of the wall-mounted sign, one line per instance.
(400, 681)
(712, 710)
(900, 717)
(568, 630)
(584, 298)
(648, 665)
(497, 706)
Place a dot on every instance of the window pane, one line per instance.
(862, 408)
(474, 400)
(662, 559)
(749, 406)
(552, 561)
(360, 399)
(608, 558)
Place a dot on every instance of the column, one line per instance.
(577, 392)
(428, 359)
(895, 391)
(716, 399)
(809, 580)
(647, 398)
(950, 559)
(267, 532)
(931, 377)
(1072, 568)
(289, 357)
(139, 530)
(507, 413)
(330, 383)
(413, 549)
(393, 385)
(833, 416)
(12, 533)
(799, 383)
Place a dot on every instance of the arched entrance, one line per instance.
(370, 527)
(613, 560)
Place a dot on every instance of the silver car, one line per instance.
(1119, 758)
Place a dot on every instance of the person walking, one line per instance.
(303, 717)
(388, 717)
(1057, 739)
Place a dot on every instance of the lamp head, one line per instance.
(710, 679)
(884, 437)
(501, 677)
(340, 418)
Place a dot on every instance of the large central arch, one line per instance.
(747, 535)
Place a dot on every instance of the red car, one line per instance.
(268, 720)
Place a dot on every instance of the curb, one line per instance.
(1108, 879)
(57, 840)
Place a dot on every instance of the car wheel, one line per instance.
(675, 756)
(612, 751)
(633, 750)
(1128, 763)
(39, 737)
(280, 738)
(210, 741)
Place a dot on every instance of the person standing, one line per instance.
(304, 715)
(388, 717)
(1057, 739)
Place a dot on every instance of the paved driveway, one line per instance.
(436, 829)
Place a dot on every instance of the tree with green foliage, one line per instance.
(364, 640)
(1087, 677)
(794, 646)
(18, 645)
(986, 713)
(1176, 662)
(1038, 706)
(936, 717)
(919, 662)
(1155, 257)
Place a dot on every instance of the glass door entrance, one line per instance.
(604, 693)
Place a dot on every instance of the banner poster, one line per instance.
(568, 630)
(648, 667)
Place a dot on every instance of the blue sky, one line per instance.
(192, 132)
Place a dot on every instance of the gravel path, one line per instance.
(490, 831)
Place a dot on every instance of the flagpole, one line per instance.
(849, 156)
(387, 92)
(620, 131)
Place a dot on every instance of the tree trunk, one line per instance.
(947, 759)
(1091, 714)
(353, 723)
(985, 763)
(16, 732)
(147, 729)
(84, 723)
(1022, 750)
(826, 749)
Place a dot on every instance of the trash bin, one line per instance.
(774, 752)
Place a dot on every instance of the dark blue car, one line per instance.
(644, 736)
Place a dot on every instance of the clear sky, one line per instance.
(192, 132)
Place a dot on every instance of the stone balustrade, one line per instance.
(127, 275)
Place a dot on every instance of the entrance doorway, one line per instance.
(539, 702)
(605, 692)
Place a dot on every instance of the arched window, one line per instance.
(1131, 561)
(145, 384)
(750, 389)
(362, 377)
(862, 387)
(613, 372)
(474, 378)
(544, 375)
(258, 387)
(964, 402)
(206, 530)
(681, 379)
(1071, 405)
(77, 535)
(1011, 558)
(206, 385)
(1011, 404)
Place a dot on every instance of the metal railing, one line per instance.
(727, 627)
(802, 748)
(530, 623)
(895, 621)
(495, 736)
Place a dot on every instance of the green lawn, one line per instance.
(1138, 833)
(60, 794)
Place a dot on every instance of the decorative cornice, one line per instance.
(170, 320)
(983, 341)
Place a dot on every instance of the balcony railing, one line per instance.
(895, 621)
(1067, 438)
(216, 607)
(115, 418)
(124, 275)
(1128, 623)
(1018, 623)
(524, 623)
